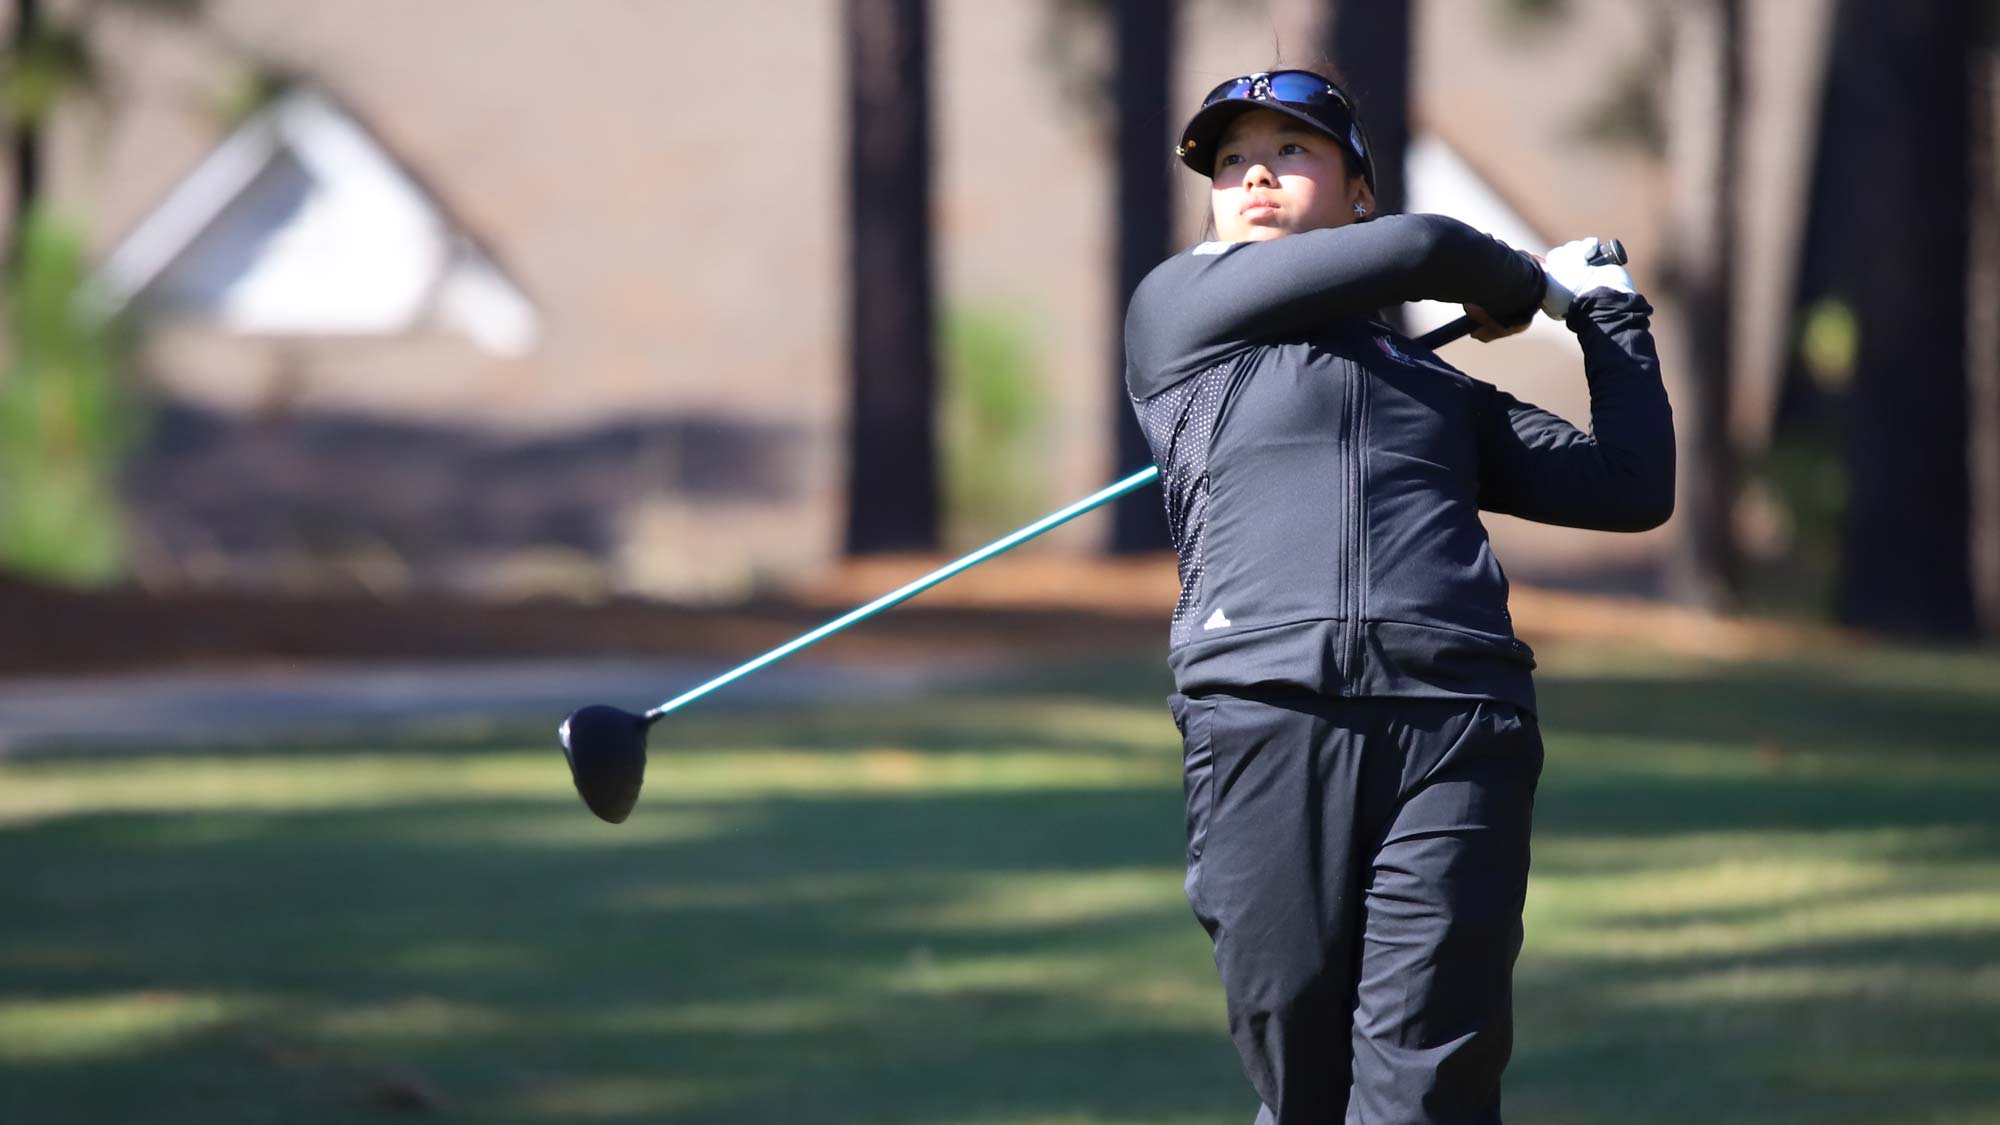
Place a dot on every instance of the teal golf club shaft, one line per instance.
(1098, 499)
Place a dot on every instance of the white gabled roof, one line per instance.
(301, 223)
(1440, 182)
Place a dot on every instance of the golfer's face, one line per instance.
(1276, 176)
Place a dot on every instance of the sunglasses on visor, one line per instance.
(1301, 92)
(1300, 87)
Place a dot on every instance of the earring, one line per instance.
(1360, 212)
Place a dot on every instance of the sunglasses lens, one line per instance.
(1234, 88)
(1308, 89)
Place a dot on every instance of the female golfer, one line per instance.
(1361, 750)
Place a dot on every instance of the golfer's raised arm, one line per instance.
(1617, 477)
(1203, 304)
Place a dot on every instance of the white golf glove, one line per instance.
(1571, 275)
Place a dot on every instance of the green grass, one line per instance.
(1763, 893)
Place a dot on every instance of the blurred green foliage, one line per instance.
(1805, 473)
(1830, 343)
(37, 70)
(992, 412)
(1804, 469)
(54, 58)
(65, 416)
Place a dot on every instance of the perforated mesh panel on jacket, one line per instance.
(1179, 423)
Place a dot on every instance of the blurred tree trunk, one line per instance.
(1906, 551)
(1370, 43)
(27, 139)
(1704, 114)
(1144, 35)
(1983, 325)
(892, 459)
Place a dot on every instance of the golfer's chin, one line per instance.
(1256, 232)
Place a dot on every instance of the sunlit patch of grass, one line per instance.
(33, 957)
(874, 769)
(1752, 861)
(1903, 917)
(1074, 721)
(1888, 982)
(91, 1027)
(41, 789)
(620, 1097)
(1662, 891)
(1036, 899)
(413, 1017)
(1121, 996)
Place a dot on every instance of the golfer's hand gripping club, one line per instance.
(1575, 268)
(1591, 254)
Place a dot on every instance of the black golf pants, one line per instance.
(1360, 865)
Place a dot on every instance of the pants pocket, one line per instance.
(1194, 718)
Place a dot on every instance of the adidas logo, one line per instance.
(1216, 620)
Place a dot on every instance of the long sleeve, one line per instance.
(1617, 477)
(1202, 305)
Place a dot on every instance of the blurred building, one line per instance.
(509, 296)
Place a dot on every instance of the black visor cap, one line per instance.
(1298, 94)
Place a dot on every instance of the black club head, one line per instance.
(606, 749)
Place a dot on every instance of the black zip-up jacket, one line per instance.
(1324, 474)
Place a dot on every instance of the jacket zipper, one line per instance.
(1354, 565)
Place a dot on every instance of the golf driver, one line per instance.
(606, 747)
